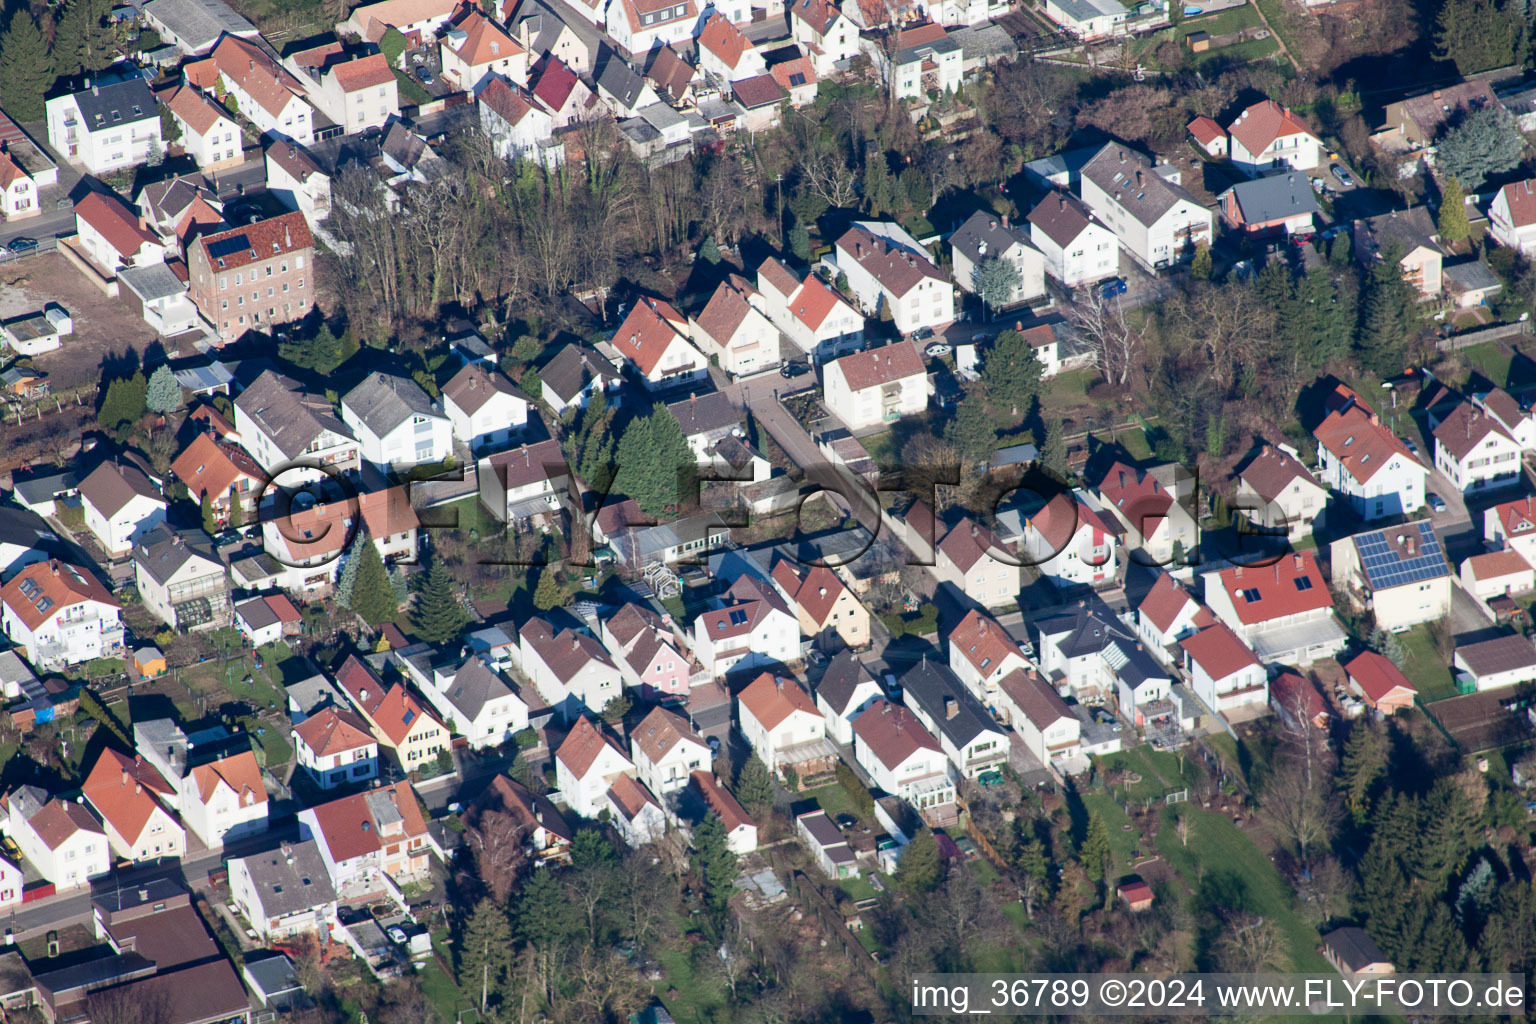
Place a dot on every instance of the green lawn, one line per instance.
(1124, 841)
(1159, 770)
(1428, 672)
(410, 92)
(697, 999)
(1241, 53)
(882, 448)
(1072, 386)
(1220, 857)
(857, 888)
(1274, 13)
(1233, 19)
(438, 985)
(1492, 360)
(834, 799)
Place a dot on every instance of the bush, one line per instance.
(525, 738)
(862, 799)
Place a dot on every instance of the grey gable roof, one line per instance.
(984, 235)
(474, 686)
(840, 682)
(572, 368)
(290, 879)
(199, 23)
(287, 414)
(27, 529)
(1115, 169)
(120, 104)
(163, 552)
(928, 683)
(617, 78)
(704, 414)
(1274, 198)
(383, 402)
(1095, 629)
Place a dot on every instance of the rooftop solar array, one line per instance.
(1385, 563)
(223, 247)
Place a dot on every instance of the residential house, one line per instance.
(587, 764)
(1400, 573)
(416, 20)
(977, 565)
(706, 421)
(265, 92)
(224, 473)
(1411, 235)
(1359, 458)
(1277, 204)
(876, 386)
(1283, 611)
(475, 48)
(1475, 451)
(1412, 124)
(1381, 684)
(284, 892)
(889, 271)
(1352, 951)
(1049, 729)
(60, 838)
(927, 63)
(733, 332)
(968, 735)
(1167, 614)
(1151, 510)
(781, 724)
(823, 603)
(525, 481)
(1512, 216)
(539, 828)
(216, 781)
(820, 27)
(673, 77)
(312, 544)
(112, 236)
(809, 312)
(1298, 702)
(828, 846)
(253, 277)
(545, 33)
(740, 829)
(297, 180)
(570, 669)
(1491, 664)
(1267, 137)
(25, 538)
(470, 693)
(121, 506)
(1155, 219)
(1512, 526)
(619, 87)
(985, 237)
(60, 615)
(667, 751)
(181, 579)
(726, 52)
(1471, 282)
(575, 374)
(1278, 493)
(397, 425)
(1088, 20)
(18, 190)
(1210, 136)
(355, 89)
(484, 408)
(292, 432)
(1223, 672)
(1497, 574)
(133, 800)
(1092, 655)
(371, 842)
(648, 651)
(207, 133)
(336, 748)
(797, 76)
(1076, 248)
(518, 124)
(1069, 539)
(638, 26)
(106, 126)
(981, 653)
(749, 627)
(635, 812)
(845, 691)
(654, 340)
(176, 207)
(411, 733)
(905, 760)
(268, 619)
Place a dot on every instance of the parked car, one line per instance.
(938, 348)
(789, 371)
(714, 744)
(1435, 502)
(1114, 286)
(418, 58)
(923, 333)
(1343, 176)
(425, 74)
(397, 934)
(1413, 449)
(22, 245)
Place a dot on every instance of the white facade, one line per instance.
(587, 793)
(120, 531)
(1159, 228)
(500, 415)
(796, 728)
(423, 437)
(1091, 256)
(670, 772)
(81, 852)
(89, 630)
(213, 141)
(107, 143)
(1395, 488)
(1512, 216)
(770, 636)
(340, 767)
(863, 398)
(820, 322)
(888, 269)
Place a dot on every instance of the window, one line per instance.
(1303, 583)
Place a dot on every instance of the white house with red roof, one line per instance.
(18, 190)
(1475, 451)
(1379, 683)
(733, 330)
(666, 751)
(1298, 701)
(1512, 525)
(982, 653)
(1267, 137)
(1043, 721)
(367, 836)
(355, 89)
(749, 627)
(208, 134)
(411, 733)
(474, 48)
(1223, 672)
(1359, 458)
(638, 26)
(417, 20)
(518, 124)
(740, 829)
(813, 316)
(587, 764)
(1147, 505)
(1278, 492)
(1512, 216)
(60, 615)
(308, 542)
(654, 340)
(223, 799)
(820, 27)
(905, 760)
(569, 668)
(1283, 611)
(635, 811)
(222, 471)
(726, 52)
(877, 386)
(336, 748)
(1497, 574)
(978, 564)
(112, 235)
(781, 724)
(1210, 136)
(133, 801)
(648, 650)
(60, 838)
(1070, 540)
(268, 94)
(889, 270)
(1168, 613)
(556, 86)
(823, 603)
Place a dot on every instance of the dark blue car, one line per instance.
(1114, 286)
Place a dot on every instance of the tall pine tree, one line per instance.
(439, 614)
(715, 862)
(372, 596)
(654, 462)
(26, 68)
(485, 953)
(1386, 317)
(879, 189)
(1012, 372)
(1452, 222)
(84, 42)
(754, 786)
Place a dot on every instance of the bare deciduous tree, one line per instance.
(1116, 345)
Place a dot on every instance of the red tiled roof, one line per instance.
(1521, 197)
(58, 586)
(786, 73)
(262, 78)
(633, 9)
(1138, 495)
(757, 91)
(10, 170)
(1493, 564)
(630, 796)
(1166, 600)
(58, 820)
(485, 42)
(920, 35)
(660, 731)
(771, 699)
(819, 14)
(1271, 471)
(817, 591)
(1356, 437)
(732, 815)
(892, 733)
(115, 222)
(552, 82)
(1291, 586)
(332, 731)
(1036, 700)
(505, 100)
(1290, 690)
(877, 366)
(1264, 122)
(813, 302)
(124, 791)
(350, 829)
(1218, 651)
(1206, 131)
(323, 529)
(582, 746)
(195, 109)
(365, 72)
(1377, 676)
(727, 309)
(724, 40)
(649, 329)
(1516, 517)
(209, 467)
(238, 771)
(275, 236)
(983, 642)
(670, 72)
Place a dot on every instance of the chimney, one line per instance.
(125, 776)
(1300, 562)
(138, 787)
(1411, 546)
(951, 708)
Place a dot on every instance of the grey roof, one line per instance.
(163, 552)
(1061, 170)
(312, 694)
(917, 52)
(617, 78)
(13, 669)
(985, 43)
(171, 197)
(271, 975)
(203, 376)
(27, 529)
(984, 235)
(1093, 629)
(255, 570)
(844, 674)
(257, 613)
(199, 23)
(475, 685)
(39, 489)
(1472, 275)
(1276, 197)
(117, 105)
(290, 879)
(926, 686)
(660, 116)
(1354, 948)
(1086, 10)
(287, 414)
(151, 281)
(1015, 455)
(704, 414)
(383, 402)
(1406, 229)
(1131, 181)
(572, 368)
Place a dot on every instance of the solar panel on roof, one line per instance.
(1385, 568)
(223, 247)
